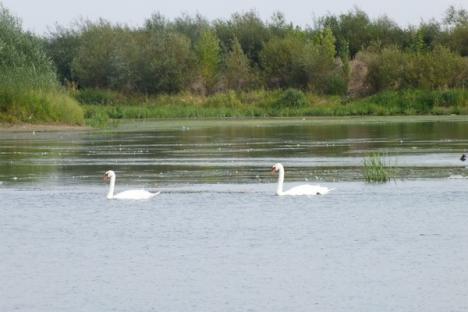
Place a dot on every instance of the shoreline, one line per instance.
(25, 127)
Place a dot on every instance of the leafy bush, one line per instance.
(397, 70)
(39, 106)
(292, 98)
(336, 84)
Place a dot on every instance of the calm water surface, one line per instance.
(216, 238)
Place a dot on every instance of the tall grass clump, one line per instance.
(29, 89)
(375, 170)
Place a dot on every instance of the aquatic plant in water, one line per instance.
(375, 169)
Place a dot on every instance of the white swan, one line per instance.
(132, 194)
(305, 189)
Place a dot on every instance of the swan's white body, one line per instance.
(305, 189)
(131, 194)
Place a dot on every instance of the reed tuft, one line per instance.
(375, 169)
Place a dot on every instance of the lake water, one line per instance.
(216, 238)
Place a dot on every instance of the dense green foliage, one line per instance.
(192, 54)
(393, 69)
(346, 64)
(121, 59)
(292, 98)
(238, 73)
(29, 90)
(22, 61)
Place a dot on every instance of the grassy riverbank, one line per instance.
(29, 89)
(36, 106)
(102, 106)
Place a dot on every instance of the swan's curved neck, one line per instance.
(110, 195)
(279, 188)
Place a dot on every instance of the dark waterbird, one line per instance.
(463, 157)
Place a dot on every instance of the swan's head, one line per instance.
(276, 168)
(108, 175)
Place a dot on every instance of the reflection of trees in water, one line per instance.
(30, 156)
(322, 140)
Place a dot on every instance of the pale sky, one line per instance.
(41, 15)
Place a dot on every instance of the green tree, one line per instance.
(123, 72)
(385, 68)
(249, 29)
(157, 22)
(386, 31)
(394, 69)
(454, 17)
(166, 64)
(238, 73)
(417, 44)
(192, 27)
(92, 64)
(278, 26)
(208, 53)
(356, 29)
(458, 40)
(280, 61)
(62, 46)
(428, 35)
(438, 69)
(318, 62)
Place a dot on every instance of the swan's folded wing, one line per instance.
(135, 194)
(307, 189)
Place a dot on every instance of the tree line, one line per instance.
(341, 54)
(192, 54)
